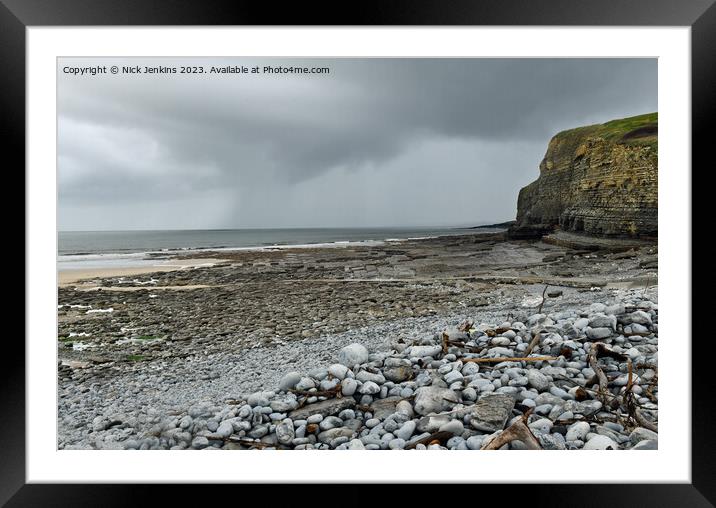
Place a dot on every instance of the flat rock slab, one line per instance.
(433, 399)
(328, 435)
(324, 408)
(491, 412)
(592, 243)
(399, 373)
(383, 408)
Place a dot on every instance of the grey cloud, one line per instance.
(256, 141)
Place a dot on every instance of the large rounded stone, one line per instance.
(398, 374)
(349, 386)
(603, 321)
(284, 403)
(285, 432)
(259, 398)
(405, 407)
(598, 333)
(599, 442)
(537, 380)
(405, 431)
(199, 442)
(338, 371)
(433, 399)
(353, 354)
(646, 444)
(577, 431)
(356, 444)
(641, 434)
(423, 351)
(289, 381)
(454, 426)
(369, 388)
(306, 383)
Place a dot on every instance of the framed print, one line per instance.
(420, 245)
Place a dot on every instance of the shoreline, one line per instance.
(72, 276)
(195, 253)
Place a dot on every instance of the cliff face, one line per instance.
(599, 179)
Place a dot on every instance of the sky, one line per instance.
(372, 142)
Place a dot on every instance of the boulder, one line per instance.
(433, 399)
(490, 413)
(383, 408)
(537, 380)
(289, 381)
(600, 442)
(353, 354)
(423, 351)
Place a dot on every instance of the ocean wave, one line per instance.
(341, 243)
(68, 258)
(149, 257)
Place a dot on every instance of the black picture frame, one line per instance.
(700, 15)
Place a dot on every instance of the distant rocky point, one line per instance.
(500, 225)
(599, 180)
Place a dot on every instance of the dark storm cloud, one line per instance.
(258, 150)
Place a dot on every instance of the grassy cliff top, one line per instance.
(635, 130)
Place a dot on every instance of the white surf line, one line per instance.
(181, 267)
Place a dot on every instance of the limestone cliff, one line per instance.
(599, 179)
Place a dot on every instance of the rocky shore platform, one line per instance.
(468, 342)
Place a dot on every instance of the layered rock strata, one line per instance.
(599, 180)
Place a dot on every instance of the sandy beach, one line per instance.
(87, 276)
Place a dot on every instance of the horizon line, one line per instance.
(455, 226)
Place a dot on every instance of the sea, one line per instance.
(105, 249)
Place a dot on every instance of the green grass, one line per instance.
(146, 337)
(136, 358)
(65, 339)
(615, 130)
(631, 123)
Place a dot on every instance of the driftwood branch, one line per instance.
(337, 392)
(517, 431)
(498, 331)
(650, 389)
(470, 349)
(626, 400)
(602, 351)
(544, 297)
(509, 359)
(649, 392)
(632, 408)
(465, 326)
(533, 343)
(247, 442)
(601, 378)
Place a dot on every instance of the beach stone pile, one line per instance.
(426, 394)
